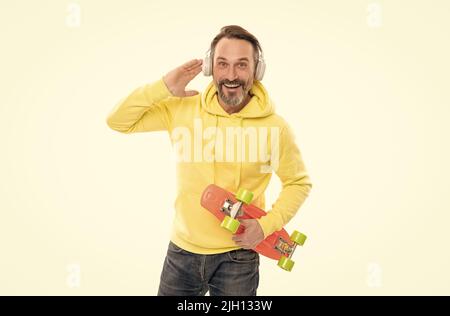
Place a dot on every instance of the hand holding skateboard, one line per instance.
(251, 237)
(229, 208)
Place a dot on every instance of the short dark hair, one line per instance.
(238, 32)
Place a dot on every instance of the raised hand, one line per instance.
(177, 79)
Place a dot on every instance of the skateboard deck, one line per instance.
(220, 202)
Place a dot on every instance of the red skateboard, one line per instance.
(228, 208)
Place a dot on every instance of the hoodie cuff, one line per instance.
(266, 225)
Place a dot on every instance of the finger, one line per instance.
(244, 222)
(192, 64)
(195, 70)
(191, 93)
(236, 238)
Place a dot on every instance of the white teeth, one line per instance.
(231, 86)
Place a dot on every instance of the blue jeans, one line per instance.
(188, 274)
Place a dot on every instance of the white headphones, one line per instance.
(260, 66)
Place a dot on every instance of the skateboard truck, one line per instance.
(230, 222)
(287, 250)
(232, 209)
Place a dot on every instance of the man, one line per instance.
(209, 133)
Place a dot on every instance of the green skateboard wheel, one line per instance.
(285, 263)
(244, 196)
(230, 224)
(298, 238)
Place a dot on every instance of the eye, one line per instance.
(222, 64)
(242, 65)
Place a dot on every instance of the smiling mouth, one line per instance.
(231, 87)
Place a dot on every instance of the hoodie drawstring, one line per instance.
(215, 144)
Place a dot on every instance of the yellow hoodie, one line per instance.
(231, 150)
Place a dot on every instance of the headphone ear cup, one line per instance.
(260, 69)
(207, 67)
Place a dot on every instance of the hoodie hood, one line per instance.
(259, 105)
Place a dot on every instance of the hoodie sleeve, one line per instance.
(144, 110)
(295, 181)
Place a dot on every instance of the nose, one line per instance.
(231, 74)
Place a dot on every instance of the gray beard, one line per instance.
(233, 101)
